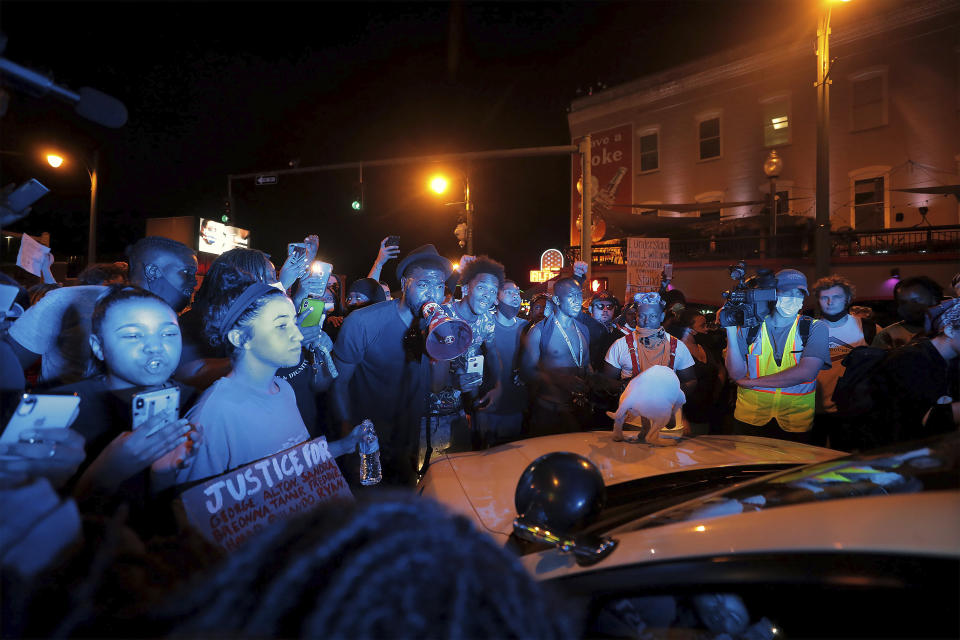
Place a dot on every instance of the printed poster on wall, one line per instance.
(230, 508)
(611, 157)
(645, 260)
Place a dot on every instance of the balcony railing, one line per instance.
(799, 244)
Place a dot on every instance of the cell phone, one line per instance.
(475, 364)
(37, 411)
(149, 403)
(318, 311)
(297, 249)
(668, 271)
(25, 195)
(322, 271)
(8, 295)
(393, 241)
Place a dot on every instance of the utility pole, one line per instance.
(821, 241)
(586, 203)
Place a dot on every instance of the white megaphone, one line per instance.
(447, 338)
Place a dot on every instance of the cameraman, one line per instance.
(776, 364)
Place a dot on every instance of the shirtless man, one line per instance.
(555, 363)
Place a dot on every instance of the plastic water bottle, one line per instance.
(370, 472)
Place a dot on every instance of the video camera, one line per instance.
(746, 305)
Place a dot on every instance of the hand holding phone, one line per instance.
(147, 404)
(389, 249)
(37, 411)
(24, 196)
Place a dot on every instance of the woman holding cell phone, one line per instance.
(136, 340)
(251, 413)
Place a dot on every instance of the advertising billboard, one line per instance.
(216, 237)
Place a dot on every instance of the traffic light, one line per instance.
(225, 218)
(357, 203)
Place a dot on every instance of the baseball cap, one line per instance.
(790, 278)
(603, 296)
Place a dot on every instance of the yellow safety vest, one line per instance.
(791, 406)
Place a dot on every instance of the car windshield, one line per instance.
(929, 465)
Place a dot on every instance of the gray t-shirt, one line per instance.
(816, 345)
(58, 328)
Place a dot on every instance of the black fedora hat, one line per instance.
(428, 256)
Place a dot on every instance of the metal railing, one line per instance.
(798, 244)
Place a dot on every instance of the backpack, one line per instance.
(853, 394)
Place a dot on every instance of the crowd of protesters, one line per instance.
(255, 378)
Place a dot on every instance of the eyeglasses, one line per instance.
(604, 306)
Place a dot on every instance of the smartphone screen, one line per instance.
(26, 194)
(318, 311)
(321, 270)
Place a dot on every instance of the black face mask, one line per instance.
(508, 312)
(912, 312)
(833, 317)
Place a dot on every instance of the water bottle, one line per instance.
(370, 472)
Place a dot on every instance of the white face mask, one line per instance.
(789, 307)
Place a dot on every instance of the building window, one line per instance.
(649, 151)
(868, 203)
(868, 100)
(709, 136)
(776, 121)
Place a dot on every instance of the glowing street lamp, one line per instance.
(439, 184)
(56, 160)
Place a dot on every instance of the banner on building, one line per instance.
(230, 508)
(611, 157)
(645, 260)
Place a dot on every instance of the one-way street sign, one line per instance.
(266, 180)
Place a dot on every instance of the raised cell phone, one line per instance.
(318, 311)
(393, 241)
(25, 195)
(297, 248)
(668, 271)
(8, 295)
(149, 403)
(36, 411)
(321, 270)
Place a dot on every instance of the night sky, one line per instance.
(220, 88)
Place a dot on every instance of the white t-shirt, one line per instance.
(240, 424)
(58, 328)
(618, 355)
(841, 341)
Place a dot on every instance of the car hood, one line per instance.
(488, 479)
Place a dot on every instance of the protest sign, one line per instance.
(32, 255)
(645, 260)
(232, 507)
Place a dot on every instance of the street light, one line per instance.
(439, 185)
(771, 168)
(56, 160)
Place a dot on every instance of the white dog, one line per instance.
(651, 400)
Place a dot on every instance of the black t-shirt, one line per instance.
(908, 384)
(391, 375)
(104, 414)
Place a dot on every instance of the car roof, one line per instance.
(924, 524)
(481, 484)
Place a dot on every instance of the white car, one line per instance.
(865, 545)
(640, 478)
